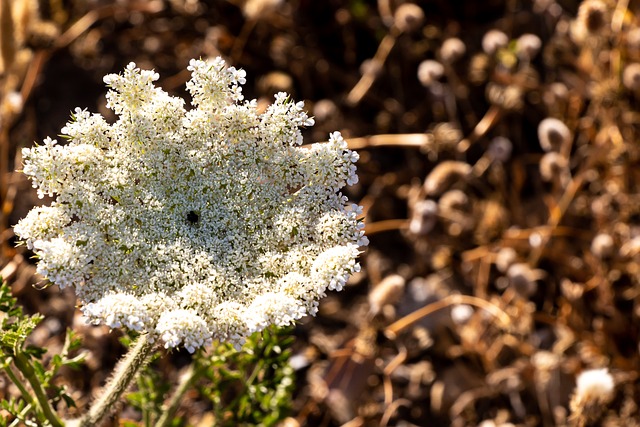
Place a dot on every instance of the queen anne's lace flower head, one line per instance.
(193, 226)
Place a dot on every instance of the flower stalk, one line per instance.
(124, 373)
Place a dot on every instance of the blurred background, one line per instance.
(499, 175)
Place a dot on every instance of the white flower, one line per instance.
(198, 225)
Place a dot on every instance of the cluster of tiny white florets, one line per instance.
(193, 226)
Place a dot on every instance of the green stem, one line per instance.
(22, 363)
(186, 381)
(124, 372)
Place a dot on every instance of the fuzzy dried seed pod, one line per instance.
(453, 200)
(444, 175)
(408, 17)
(424, 217)
(528, 46)
(494, 40)
(324, 109)
(592, 15)
(631, 77)
(633, 39)
(552, 165)
(602, 246)
(523, 278)
(388, 291)
(594, 390)
(505, 258)
(452, 49)
(553, 134)
(500, 149)
(430, 71)
(274, 82)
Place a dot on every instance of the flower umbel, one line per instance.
(193, 226)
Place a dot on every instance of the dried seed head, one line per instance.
(631, 77)
(388, 291)
(556, 92)
(446, 135)
(553, 134)
(424, 217)
(274, 82)
(444, 175)
(633, 39)
(523, 278)
(429, 71)
(453, 200)
(461, 313)
(408, 17)
(479, 68)
(494, 40)
(508, 97)
(324, 109)
(528, 46)
(602, 246)
(500, 149)
(592, 15)
(452, 49)
(255, 9)
(594, 390)
(505, 258)
(552, 165)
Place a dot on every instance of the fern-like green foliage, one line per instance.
(253, 386)
(247, 387)
(23, 365)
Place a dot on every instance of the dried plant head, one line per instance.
(631, 77)
(493, 41)
(508, 97)
(523, 278)
(632, 39)
(602, 246)
(408, 17)
(552, 166)
(424, 217)
(553, 134)
(594, 390)
(430, 71)
(479, 68)
(500, 149)
(447, 135)
(388, 291)
(444, 175)
(505, 258)
(528, 46)
(324, 109)
(255, 9)
(452, 50)
(593, 15)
